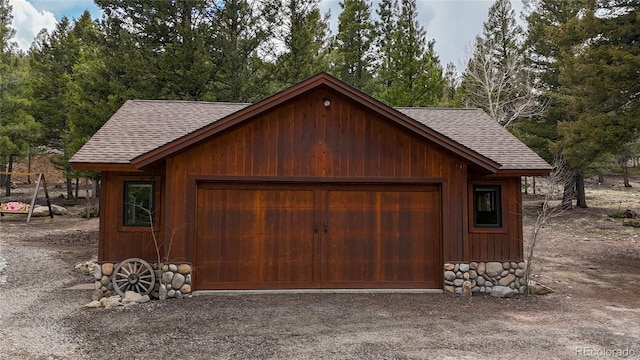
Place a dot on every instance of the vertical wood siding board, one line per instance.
(103, 236)
(520, 239)
(285, 147)
(464, 194)
(369, 156)
(321, 120)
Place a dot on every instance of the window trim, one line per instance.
(155, 181)
(474, 227)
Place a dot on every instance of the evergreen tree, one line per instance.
(306, 38)
(18, 130)
(54, 59)
(241, 34)
(450, 97)
(161, 49)
(356, 33)
(410, 72)
(600, 83)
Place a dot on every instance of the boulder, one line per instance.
(449, 275)
(507, 280)
(493, 268)
(185, 289)
(173, 267)
(449, 289)
(538, 289)
(97, 272)
(131, 296)
(177, 281)
(184, 269)
(481, 268)
(458, 282)
(466, 288)
(43, 210)
(449, 267)
(94, 304)
(111, 302)
(167, 277)
(464, 267)
(503, 292)
(107, 269)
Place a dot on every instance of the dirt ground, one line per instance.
(590, 259)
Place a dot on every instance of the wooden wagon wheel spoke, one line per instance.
(134, 274)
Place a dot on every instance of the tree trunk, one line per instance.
(69, 188)
(77, 187)
(568, 194)
(600, 179)
(534, 185)
(581, 199)
(625, 175)
(526, 186)
(7, 183)
(96, 189)
(29, 168)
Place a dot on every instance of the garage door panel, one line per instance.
(381, 237)
(249, 235)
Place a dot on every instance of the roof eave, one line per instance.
(100, 166)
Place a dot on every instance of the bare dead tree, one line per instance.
(506, 91)
(559, 177)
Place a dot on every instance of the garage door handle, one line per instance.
(315, 227)
(326, 227)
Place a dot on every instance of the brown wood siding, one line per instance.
(117, 242)
(500, 244)
(304, 140)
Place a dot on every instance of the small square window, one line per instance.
(486, 211)
(138, 203)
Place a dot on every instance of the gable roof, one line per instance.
(143, 132)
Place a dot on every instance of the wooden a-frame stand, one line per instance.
(29, 212)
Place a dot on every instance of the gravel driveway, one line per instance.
(38, 319)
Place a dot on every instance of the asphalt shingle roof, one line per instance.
(474, 129)
(140, 126)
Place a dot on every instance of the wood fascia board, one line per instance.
(296, 90)
(91, 166)
(523, 172)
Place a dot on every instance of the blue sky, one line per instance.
(452, 23)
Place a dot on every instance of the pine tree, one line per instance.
(241, 34)
(410, 72)
(306, 38)
(356, 33)
(18, 130)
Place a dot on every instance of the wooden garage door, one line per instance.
(298, 236)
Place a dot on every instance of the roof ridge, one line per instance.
(188, 101)
(435, 108)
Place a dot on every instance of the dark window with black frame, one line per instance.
(486, 211)
(138, 203)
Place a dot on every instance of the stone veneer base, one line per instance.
(173, 280)
(484, 277)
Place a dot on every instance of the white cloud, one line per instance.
(28, 21)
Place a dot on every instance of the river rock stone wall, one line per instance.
(502, 279)
(172, 280)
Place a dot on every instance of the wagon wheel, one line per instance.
(134, 275)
